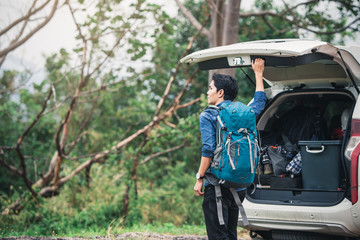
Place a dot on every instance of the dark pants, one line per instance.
(230, 211)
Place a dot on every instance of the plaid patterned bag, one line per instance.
(295, 165)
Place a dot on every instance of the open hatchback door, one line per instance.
(290, 63)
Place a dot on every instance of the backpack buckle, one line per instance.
(244, 131)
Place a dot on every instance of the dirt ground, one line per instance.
(129, 236)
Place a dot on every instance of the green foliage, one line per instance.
(164, 228)
(173, 200)
(80, 211)
(77, 209)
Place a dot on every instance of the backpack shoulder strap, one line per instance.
(220, 122)
(218, 134)
(241, 207)
(219, 205)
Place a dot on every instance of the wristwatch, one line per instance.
(199, 177)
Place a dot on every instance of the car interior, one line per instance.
(305, 123)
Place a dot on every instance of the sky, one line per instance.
(58, 33)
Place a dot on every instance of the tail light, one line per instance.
(352, 153)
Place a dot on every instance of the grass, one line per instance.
(167, 228)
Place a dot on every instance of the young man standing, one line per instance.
(222, 89)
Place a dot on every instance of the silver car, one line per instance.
(313, 113)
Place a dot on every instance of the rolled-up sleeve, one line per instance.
(208, 134)
(259, 102)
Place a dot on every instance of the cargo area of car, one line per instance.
(302, 134)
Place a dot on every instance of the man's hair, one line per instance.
(228, 84)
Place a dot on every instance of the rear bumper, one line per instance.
(299, 226)
(341, 219)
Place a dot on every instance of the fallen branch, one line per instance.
(188, 104)
(11, 167)
(155, 155)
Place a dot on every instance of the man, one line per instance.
(222, 89)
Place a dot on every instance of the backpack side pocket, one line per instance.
(217, 157)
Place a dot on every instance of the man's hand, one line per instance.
(258, 65)
(198, 187)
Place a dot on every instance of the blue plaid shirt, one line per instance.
(208, 123)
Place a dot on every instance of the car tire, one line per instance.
(266, 235)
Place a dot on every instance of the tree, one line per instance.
(18, 31)
(72, 97)
(314, 16)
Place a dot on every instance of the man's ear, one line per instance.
(221, 93)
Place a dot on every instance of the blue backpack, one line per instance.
(236, 154)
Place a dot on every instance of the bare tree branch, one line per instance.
(54, 160)
(6, 148)
(258, 14)
(188, 104)
(35, 120)
(22, 158)
(64, 126)
(155, 155)
(133, 177)
(298, 23)
(104, 87)
(172, 78)
(192, 19)
(11, 167)
(329, 32)
(80, 157)
(85, 122)
(16, 206)
(25, 17)
(182, 92)
(16, 44)
(269, 24)
(77, 139)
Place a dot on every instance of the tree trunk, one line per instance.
(224, 26)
